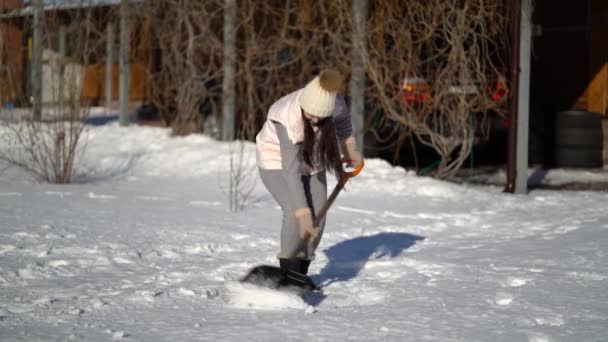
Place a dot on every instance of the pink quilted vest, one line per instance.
(287, 112)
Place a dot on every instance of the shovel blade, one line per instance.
(273, 277)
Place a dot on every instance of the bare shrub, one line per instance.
(242, 176)
(49, 149)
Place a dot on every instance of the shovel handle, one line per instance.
(332, 197)
(346, 175)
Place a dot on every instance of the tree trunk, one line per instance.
(357, 81)
(228, 85)
(124, 64)
(517, 157)
(62, 54)
(37, 59)
(521, 180)
(109, 65)
(515, 9)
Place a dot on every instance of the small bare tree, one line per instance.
(242, 176)
(48, 149)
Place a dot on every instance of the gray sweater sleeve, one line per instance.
(292, 168)
(342, 120)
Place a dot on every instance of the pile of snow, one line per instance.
(247, 296)
(540, 176)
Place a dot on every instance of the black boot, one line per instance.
(304, 263)
(295, 265)
(295, 271)
(287, 265)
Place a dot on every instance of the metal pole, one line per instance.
(228, 85)
(523, 105)
(124, 64)
(109, 66)
(515, 10)
(357, 81)
(37, 60)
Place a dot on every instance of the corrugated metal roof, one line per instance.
(53, 5)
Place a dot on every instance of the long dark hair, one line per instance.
(327, 149)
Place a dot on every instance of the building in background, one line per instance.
(16, 45)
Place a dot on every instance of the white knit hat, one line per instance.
(319, 96)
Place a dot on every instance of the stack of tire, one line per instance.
(578, 139)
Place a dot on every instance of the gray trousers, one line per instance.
(315, 189)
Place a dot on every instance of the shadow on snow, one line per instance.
(348, 258)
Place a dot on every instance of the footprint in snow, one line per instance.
(205, 203)
(516, 282)
(535, 337)
(25, 235)
(207, 249)
(153, 198)
(355, 296)
(9, 194)
(554, 321)
(239, 237)
(586, 276)
(93, 195)
(503, 298)
(61, 194)
(504, 268)
(355, 210)
(7, 248)
(185, 292)
(41, 251)
(561, 230)
(121, 260)
(58, 263)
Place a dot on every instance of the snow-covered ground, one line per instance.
(143, 248)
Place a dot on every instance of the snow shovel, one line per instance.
(332, 197)
(274, 277)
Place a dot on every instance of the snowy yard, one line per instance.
(143, 248)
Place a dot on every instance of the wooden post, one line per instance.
(523, 98)
(517, 156)
(4, 99)
(229, 66)
(37, 59)
(109, 66)
(124, 64)
(357, 81)
(515, 10)
(598, 88)
(598, 64)
(605, 131)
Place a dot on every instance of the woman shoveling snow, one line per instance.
(305, 134)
